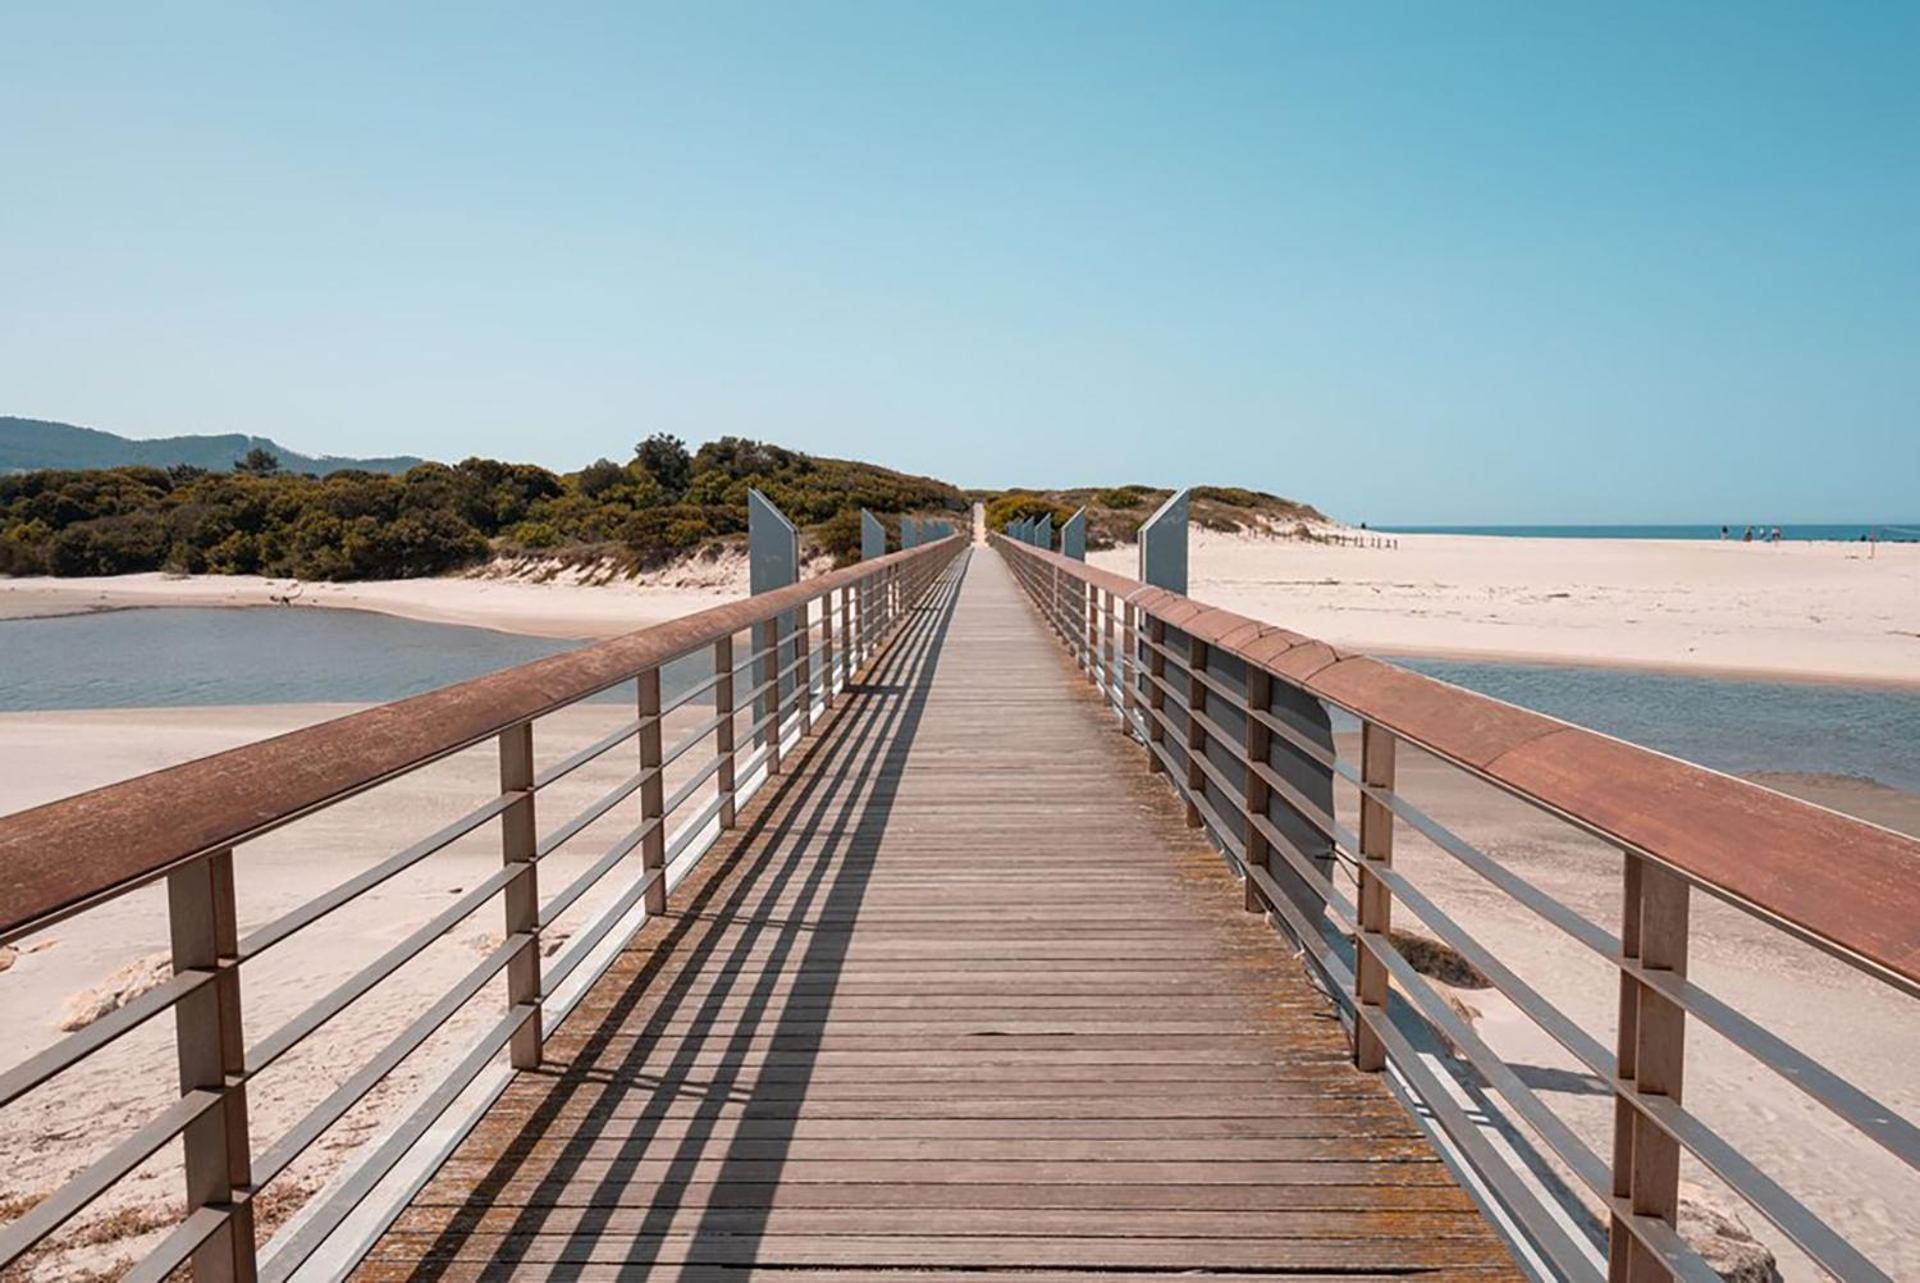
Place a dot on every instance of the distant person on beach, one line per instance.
(1724, 536)
(1776, 534)
(1748, 536)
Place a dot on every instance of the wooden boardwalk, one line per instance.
(961, 996)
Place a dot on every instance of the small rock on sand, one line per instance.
(116, 991)
(1710, 1228)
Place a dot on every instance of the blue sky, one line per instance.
(1412, 262)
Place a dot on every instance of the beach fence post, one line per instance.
(1649, 1058)
(519, 846)
(1163, 545)
(1376, 901)
(211, 1050)
(1073, 544)
(773, 561)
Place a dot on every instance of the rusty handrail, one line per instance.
(57, 858)
(1234, 712)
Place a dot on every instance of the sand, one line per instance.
(1822, 611)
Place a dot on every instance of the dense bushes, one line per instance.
(435, 517)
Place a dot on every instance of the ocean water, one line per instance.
(182, 656)
(1738, 726)
(1900, 531)
(165, 657)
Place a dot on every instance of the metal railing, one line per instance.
(187, 824)
(1237, 715)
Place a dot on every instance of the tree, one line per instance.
(600, 476)
(258, 463)
(666, 460)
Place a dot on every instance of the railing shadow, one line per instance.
(754, 954)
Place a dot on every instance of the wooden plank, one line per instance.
(960, 992)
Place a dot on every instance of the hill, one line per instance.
(663, 503)
(1114, 513)
(29, 444)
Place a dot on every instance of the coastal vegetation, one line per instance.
(1116, 513)
(259, 518)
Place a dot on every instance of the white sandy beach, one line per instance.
(1823, 611)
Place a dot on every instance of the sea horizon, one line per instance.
(1807, 532)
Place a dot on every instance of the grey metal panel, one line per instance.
(1163, 545)
(1043, 533)
(773, 561)
(909, 533)
(1073, 536)
(873, 537)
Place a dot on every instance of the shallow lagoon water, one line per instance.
(187, 656)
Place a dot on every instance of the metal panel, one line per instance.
(1073, 536)
(909, 533)
(773, 561)
(873, 537)
(1163, 545)
(1043, 532)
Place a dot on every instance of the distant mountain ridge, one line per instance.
(29, 444)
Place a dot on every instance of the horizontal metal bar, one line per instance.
(287, 1036)
(327, 901)
(315, 1123)
(691, 786)
(77, 1046)
(706, 728)
(103, 1173)
(307, 1240)
(691, 830)
(606, 802)
(559, 904)
(180, 1243)
(1878, 1122)
(553, 977)
(611, 740)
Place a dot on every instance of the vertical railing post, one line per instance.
(803, 664)
(653, 844)
(1090, 630)
(1258, 740)
(212, 1055)
(723, 732)
(1109, 661)
(1196, 737)
(1377, 747)
(519, 846)
(847, 656)
(766, 640)
(826, 651)
(1156, 697)
(1130, 671)
(1650, 1057)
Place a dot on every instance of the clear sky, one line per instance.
(1413, 262)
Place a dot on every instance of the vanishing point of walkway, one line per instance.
(961, 995)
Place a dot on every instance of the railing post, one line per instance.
(1108, 660)
(723, 733)
(1090, 630)
(1259, 695)
(803, 664)
(211, 1050)
(766, 640)
(847, 656)
(1156, 697)
(1196, 737)
(1376, 902)
(519, 845)
(653, 845)
(826, 652)
(1650, 1057)
(1130, 669)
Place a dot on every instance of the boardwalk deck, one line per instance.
(961, 996)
